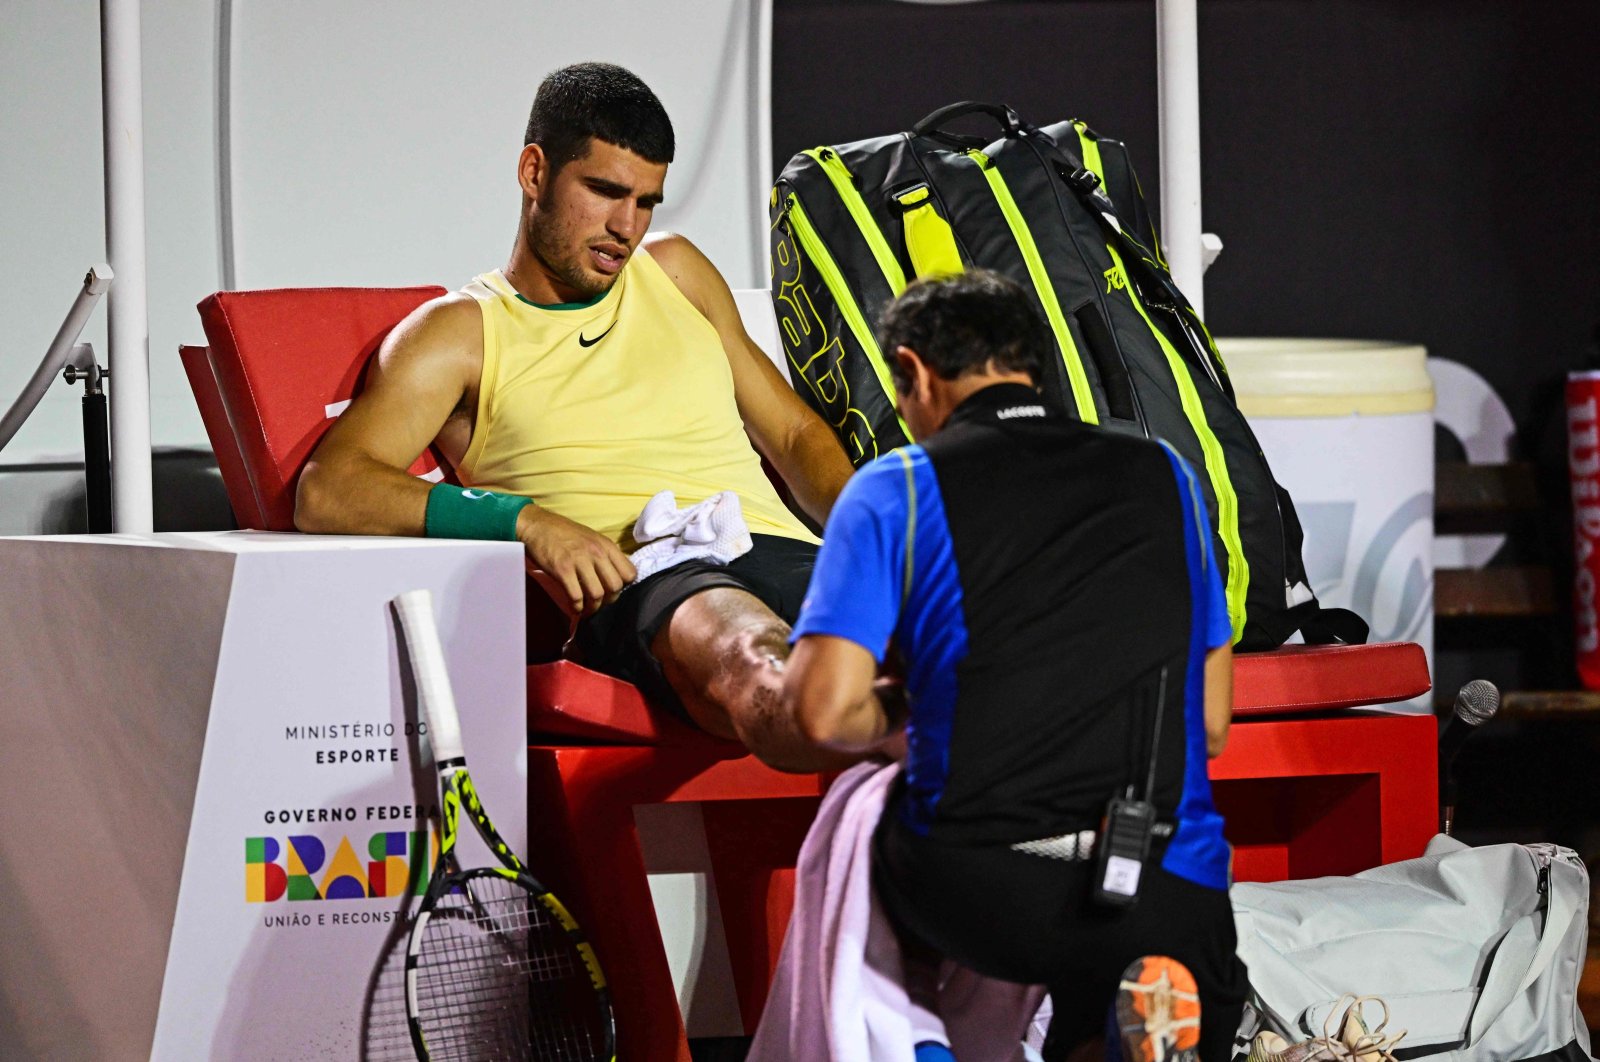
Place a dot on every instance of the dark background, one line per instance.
(1413, 170)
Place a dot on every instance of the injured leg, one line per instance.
(724, 652)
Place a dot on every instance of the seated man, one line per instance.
(1051, 591)
(592, 372)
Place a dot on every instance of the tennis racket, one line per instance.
(495, 966)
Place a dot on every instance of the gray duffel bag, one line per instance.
(1476, 951)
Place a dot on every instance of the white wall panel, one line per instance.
(384, 150)
(373, 144)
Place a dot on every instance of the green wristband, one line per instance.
(460, 512)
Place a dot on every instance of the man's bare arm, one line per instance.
(356, 482)
(422, 387)
(783, 428)
(828, 689)
(1218, 698)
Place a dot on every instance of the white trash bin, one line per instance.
(1347, 426)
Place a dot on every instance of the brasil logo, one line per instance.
(298, 867)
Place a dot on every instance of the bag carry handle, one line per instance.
(1087, 186)
(931, 125)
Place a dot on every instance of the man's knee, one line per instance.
(748, 674)
(760, 647)
(720, 633)
(719, 650)
(726, 663)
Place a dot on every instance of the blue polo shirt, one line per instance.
(1045, 584)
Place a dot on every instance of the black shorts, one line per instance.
(1026, 918)
(616, 640)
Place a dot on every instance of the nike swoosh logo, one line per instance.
(582, 342)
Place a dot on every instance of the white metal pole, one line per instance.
(127, 315)
(1178, 79)
(761, 62)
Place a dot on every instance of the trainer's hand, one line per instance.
(589, 568)
(895, 746)
(890, 689)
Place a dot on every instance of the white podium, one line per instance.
(218, 809)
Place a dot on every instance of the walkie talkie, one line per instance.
(1128, 828)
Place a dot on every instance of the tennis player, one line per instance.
(598, 367)
(1051, 590)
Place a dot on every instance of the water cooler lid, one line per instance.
(1327, 377)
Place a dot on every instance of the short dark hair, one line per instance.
(963, 324)
(586, 100)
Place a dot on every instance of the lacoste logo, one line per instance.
(583, 342)
(1020, 411)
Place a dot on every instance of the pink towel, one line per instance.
(840, 993)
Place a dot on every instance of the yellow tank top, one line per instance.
(591, 409)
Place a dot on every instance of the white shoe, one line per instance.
(1354, 1041)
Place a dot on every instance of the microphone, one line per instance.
(1475, 705)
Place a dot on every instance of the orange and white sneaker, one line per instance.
(1158, 1011)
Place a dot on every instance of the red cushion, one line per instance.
(280, 360)
(569, 701)
(1309, 678)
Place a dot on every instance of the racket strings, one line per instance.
(498, 977)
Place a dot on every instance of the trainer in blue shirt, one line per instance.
(1042, 586)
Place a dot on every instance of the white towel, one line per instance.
(667, 535)
(840, 991)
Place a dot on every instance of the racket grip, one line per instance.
(415, 608)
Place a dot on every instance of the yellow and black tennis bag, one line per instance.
(1059, 210)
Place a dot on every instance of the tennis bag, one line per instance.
(1477, 952)
(1060, 211)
